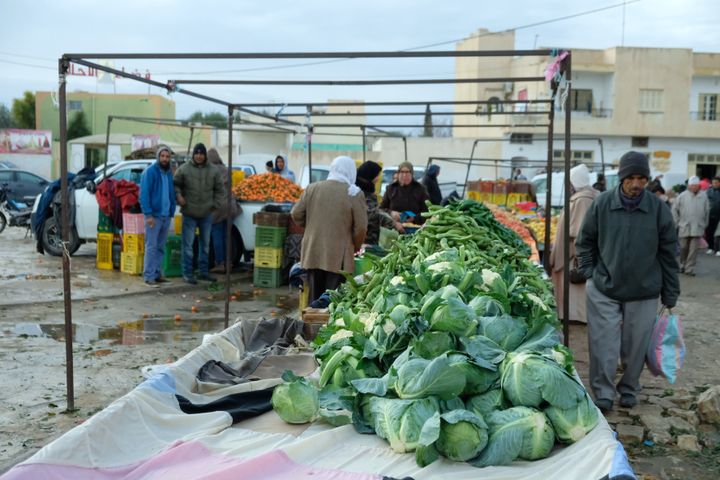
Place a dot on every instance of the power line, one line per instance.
(27, 65)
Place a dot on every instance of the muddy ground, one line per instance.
(122, 326)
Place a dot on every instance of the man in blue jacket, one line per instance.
(626, 250)
(157, 200)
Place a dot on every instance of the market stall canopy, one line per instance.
(118, 139)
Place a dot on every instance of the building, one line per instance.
(660, 101)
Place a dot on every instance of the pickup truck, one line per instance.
(86, 213)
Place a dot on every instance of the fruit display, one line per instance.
(537, 225)
(267, 187)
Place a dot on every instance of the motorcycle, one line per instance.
(12, 212)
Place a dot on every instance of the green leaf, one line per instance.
(421, 378)
(483, 351)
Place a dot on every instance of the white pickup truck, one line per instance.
(86, 213)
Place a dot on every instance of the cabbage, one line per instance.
(486, 403)
(295, 401)
(454, 316)
(477, 379)
(401, 421)
(463, 435)
(418, 378)
(572, 424)
(504, 330)
(433, 344)
(529, 379)
(517, 432)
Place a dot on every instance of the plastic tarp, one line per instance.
(145, 434)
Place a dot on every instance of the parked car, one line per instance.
(86, 212)
(22, 185)
(319, 173)
(558, 191)
(388, 172)
(6, 164)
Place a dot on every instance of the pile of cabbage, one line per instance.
(449, 347)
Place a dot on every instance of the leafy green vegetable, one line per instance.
(463, 435)
(296, 401)
(433, 344)
(454, 316)
(517, 432)
(420, 378)
(504, 330)
(477, 378)
(486, 403)
(400, 421)
(574, 423)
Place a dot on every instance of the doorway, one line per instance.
(706, 170)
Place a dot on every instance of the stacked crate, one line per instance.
(172, 259)
(270, 233)
(105, 235)
(133, 251)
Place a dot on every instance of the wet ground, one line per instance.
(120, 326)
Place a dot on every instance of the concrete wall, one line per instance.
(39, 164)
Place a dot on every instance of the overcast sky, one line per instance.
(35, 34)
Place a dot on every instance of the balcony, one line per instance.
(590, 113)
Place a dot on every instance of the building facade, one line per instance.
(660, 101)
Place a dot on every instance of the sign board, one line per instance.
(26, 142)
(138, 142)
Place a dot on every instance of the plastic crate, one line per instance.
(172, 259)
(133, 223)
(177, 224)
(131, 263)
(270, 236)
(267, 277)
(133, 242)
(268, 257)
(105, 223)
(499, 198)
(103, 259)
(271, 219)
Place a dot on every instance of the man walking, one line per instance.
(199, 191)
(157, 201)
(713, 195)
(626, 250)
(690, 211)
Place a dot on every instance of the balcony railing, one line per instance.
(706, 116)
(590, 113)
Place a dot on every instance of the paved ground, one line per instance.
(121, 326)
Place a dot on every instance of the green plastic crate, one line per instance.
(268, 277)
(172, 260)
(105, 224)
(270, 236)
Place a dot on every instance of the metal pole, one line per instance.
(566, 226)
(405, 147)
(309, 140)
(107, 146)
(363, 141)
(548, 191)
(602, 156)
(228, 220)
(63, 66)
(467, 174)
(192, 132)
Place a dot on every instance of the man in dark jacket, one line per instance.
(199, 190)
(430, 182)
(713, 195)
(405, 195)
(157, 201)
(626, 250)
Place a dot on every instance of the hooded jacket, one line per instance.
(429, 181)
(202, 187)
(285, 172)
(153, 183)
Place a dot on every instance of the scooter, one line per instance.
(12, 212)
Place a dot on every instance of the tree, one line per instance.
(443, 127)
(23, 111)
(78, 126)
(214, 119)
(6, 120)
(427, 123)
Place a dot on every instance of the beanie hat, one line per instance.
(580, 176)
(633, 163)
(407, 165)
(369, 170)
(694, 180)
(200, 148)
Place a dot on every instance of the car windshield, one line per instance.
(318, 175)
(388, 174)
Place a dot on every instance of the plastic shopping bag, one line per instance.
(666, 352)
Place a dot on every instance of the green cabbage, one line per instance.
(296, 401)
(477, 379)
(486, 403)
(418, 378)
(463, 435)
(574, 423)
(504, 330)
(401, 421)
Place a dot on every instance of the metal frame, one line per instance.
(173, 86)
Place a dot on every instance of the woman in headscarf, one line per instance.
(334, 215)
(282, 169)
(429, 181)
(367, 176)
(405, 195)
(580, 201)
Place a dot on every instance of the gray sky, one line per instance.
(35, 34)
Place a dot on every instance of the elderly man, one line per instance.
(626, 251)
(690, 211)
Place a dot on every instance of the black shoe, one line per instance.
(151, 284)
(207, 277)
(604, 404)
(190, 280)
(162, 280)
(627, 400)
(690, 274)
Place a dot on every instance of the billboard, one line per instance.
(138, 142)
(25, 142)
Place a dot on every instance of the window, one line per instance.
(29, 178)
(704, 158)
(708, 106)
(651, 100)
(6, 176)
(641, 142)
(575, 155)
(131, 174)
(74, 105)
(581, 101)
(521, 138)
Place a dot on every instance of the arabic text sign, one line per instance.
(37, 142)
